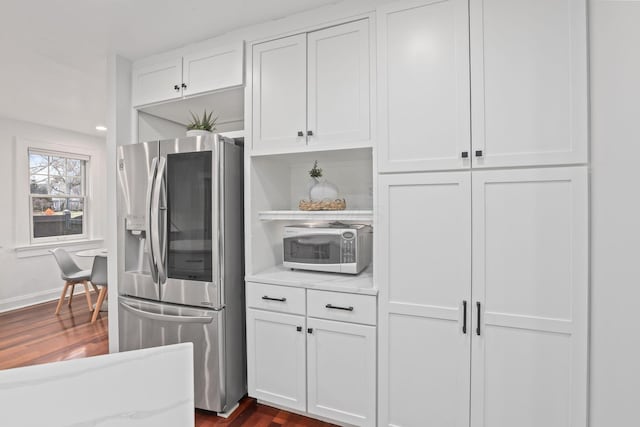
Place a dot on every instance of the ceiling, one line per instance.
(55, 51)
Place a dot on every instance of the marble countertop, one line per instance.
(142, 388)
(355, 284)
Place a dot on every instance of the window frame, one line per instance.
(84, 195)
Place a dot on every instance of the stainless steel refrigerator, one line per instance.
(181, 257)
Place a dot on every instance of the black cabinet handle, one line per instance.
(300, 133)
(336, 307)
(184, 86)
(309, 330)
(299, 328)
(464, 317)
(309, 133)
(478, 314)
(478, 153)
(176, 88)
(274, 299)
(465, 154)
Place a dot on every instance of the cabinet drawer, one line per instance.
(341, 306)
(284, 299)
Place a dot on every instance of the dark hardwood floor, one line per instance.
(35, 335)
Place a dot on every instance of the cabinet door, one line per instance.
(157, 82)
(276, 362)
(280, 94)
(339, 85)
(423, 86)
(424, 274)
(530, 265)
(342, 371)
(213, 69)
(529, 82)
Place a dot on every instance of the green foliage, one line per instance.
(206, 122)
(315, 172)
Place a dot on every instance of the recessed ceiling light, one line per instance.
(101, 128)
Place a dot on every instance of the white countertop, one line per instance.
(355, 284)
(142, 388)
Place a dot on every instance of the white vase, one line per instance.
(312, 183)
(198, 132)
(323, 190)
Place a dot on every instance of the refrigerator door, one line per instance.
(189, 223)
(147, 324)
(137, 169)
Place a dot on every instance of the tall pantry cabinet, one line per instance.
(482, 252)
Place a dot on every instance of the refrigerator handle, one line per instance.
(156, 211)
(148, 228)
(167, 317)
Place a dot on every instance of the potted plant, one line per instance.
(199, 126)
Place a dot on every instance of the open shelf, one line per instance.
(345, 215)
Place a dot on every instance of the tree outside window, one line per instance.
(57, 188)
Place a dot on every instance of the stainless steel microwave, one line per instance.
(335, 247)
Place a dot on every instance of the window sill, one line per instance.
(41, 249)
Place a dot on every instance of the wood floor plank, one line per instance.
(35, 335)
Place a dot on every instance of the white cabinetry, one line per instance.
(338, 85)
(158, 81)
(530, 265)
(276, 365)
(323, 363)
(529, 82)
(423, 85)
(341, 370)
(279, 94)
(312, 90)
(181, 74)
(522, 95)
(520, 347)
(425, 275)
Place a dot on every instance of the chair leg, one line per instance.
(96, 311)
(73, 288)
(64, 294)
(95, 288)
(86, 293)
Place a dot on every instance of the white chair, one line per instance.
(72, 275)
(99, 278)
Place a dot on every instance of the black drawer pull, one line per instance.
(274, 299)
(309, 330)
(335, 307)
(299, 328)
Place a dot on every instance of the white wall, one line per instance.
(615, 213)
(32, 277)
(152, 127)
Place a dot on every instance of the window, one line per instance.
(57, 195)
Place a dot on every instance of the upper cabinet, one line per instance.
(482, 83)
(312, 90)
(529, 82)
(186, 74)
(279, 93)
(423, 86)
(338, 85)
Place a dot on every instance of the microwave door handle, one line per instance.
(167, 317)
(148, 229)
(158, 251)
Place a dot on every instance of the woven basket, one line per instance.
(325, 205)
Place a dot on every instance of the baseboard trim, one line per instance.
(34, 298)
